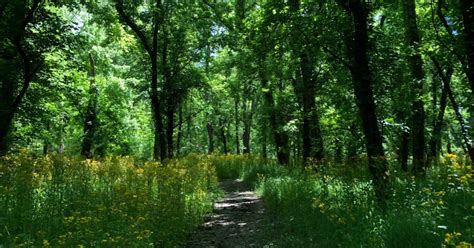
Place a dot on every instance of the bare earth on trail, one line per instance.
(235, 222)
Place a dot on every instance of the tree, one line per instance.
(416, 68)
(90, 122)
(357, 47)
(150, 45)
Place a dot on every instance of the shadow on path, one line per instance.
(235, 221)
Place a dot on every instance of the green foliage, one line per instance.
(330, 209)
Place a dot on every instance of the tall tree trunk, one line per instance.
(159, 149)
(467, 9)
(170, 130)
(280, 137)
(459, 117)
(91, 113)
(263, 141)
(248, 113)
(404, 149)
(10, 103)
(312, 138)
(415, 63)
(210, 138)
(180, 129)
(467, 62)
(361, 77)
(237, 124)
(6, 121)
(150, 45)
(223, 137)
(404, 139)
(61, 145)
(435, 142)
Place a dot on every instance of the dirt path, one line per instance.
(235, 222)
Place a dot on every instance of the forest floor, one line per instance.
(237, 219)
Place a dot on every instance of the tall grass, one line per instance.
(332, 209)
(67, 202)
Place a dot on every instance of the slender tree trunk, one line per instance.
(9, 103)
(237, 124)
(264, 144)
(280, 137)
(247, 125)
(352, 146)
(5, 124)
(467, 10)
(170, 131)
(459, 117)
(312, 138)
(210, 138)
(223, 137)
(61, 145)
(160, 142)
(404, 140)
(90, 121)
(311, 133)
(415, 63)
(404, 149)
(435, 142)
(151, 48)
(362, 82)
(180, 129)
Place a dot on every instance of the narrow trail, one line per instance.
(236, 221)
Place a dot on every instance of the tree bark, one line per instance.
(280, 137)
(357, 45)
(159, 148)
(415, 63)
(467, 10)
(312, 138)
(180, 129)
(210, 138)
(10, 103)
(459, 117)
(248, 113)
(404, 149)
(435, 142)
(237, 124)
(223, 137)
(90, 121)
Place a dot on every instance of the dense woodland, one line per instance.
(372, 96)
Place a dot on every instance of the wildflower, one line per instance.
(46, 243)
(464, 244)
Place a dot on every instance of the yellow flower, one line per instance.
(464, 245)
(46, 243)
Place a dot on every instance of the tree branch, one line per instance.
(338, 58)
(28, 73)
(129, 21)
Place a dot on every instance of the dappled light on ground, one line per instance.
(235, 222)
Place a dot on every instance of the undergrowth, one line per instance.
(330, 209)
(57, 201)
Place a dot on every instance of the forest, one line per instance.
(236, 123)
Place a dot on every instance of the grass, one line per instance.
(337, 208)
(69, 202)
